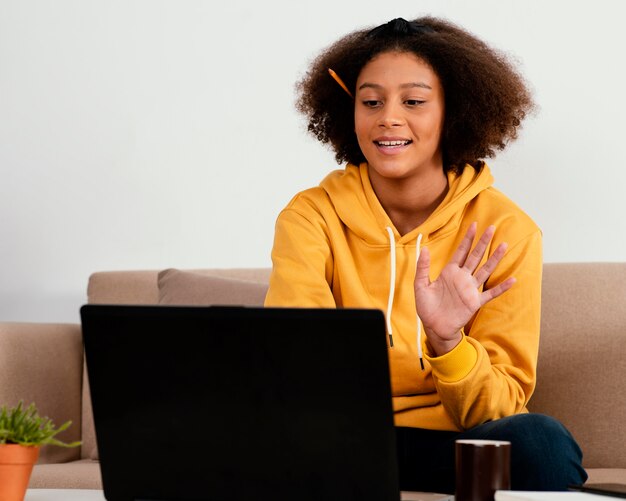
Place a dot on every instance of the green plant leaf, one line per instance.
(27, 427)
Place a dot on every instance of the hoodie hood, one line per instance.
(356, 204)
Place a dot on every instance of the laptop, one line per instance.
(239, 403)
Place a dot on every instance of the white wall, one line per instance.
(150, 134)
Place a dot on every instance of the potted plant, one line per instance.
(22, 433)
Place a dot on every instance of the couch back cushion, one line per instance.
(141, 287)
(178, 287)
(581, 372)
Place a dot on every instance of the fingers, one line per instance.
(496, 291)
(485, 271)
(467, 258)
(473, 259)
(465, 246)
(476, 256)
(489, 267)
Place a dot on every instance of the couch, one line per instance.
(581, 370)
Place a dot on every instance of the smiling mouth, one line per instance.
(393, 144)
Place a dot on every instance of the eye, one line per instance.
(414, 102)
(372, 103)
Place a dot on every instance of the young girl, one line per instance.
(413, 108)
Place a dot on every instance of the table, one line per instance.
(94, 495)
(64, 495)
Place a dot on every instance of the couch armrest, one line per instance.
(43, 363)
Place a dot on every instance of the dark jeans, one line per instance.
(544, 455)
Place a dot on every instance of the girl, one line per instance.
(414, 108)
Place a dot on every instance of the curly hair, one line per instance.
(486, 99)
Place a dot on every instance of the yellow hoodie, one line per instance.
(333, 248)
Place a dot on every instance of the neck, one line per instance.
(410, 201)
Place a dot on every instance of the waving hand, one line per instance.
(448, 303)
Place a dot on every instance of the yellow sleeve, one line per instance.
(302, 261)
(491, 373)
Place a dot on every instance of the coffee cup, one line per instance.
(482, 468)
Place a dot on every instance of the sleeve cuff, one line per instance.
(456, 364)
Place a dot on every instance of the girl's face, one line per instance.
(398, 115)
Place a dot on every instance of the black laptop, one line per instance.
(237, 403)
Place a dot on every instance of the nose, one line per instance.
(391, 116)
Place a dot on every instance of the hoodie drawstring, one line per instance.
(392, 282)
(392, 289)
(420, 354)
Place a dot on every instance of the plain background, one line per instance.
(145, 134)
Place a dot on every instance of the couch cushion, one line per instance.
(606, 475)
(123, 287)
(42, 363)
(582, 357)
(178, 287)
(140, 286)
(89, 448)
(82, 474)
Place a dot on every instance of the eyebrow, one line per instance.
(409, 85)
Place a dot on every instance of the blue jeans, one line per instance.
(544, 455)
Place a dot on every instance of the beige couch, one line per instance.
(581, 375)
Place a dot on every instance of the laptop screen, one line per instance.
(236, 403)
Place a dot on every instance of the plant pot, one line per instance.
(16, 465)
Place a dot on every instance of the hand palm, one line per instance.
(447, 304)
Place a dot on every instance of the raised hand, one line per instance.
(448, 303)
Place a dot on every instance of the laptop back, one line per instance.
(235, 403)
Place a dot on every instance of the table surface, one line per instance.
(94, 495)
(64, 495)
